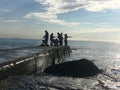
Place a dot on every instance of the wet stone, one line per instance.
(76, 68)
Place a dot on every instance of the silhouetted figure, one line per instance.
(46, 38)
(55, 42)
(65, 40)
(51, 39)
(43, 43)
(61, 40)
(58, 36)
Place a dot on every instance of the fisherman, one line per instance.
(65, 39)
(46, 36)
(52, 39)
(61, 40)
(56, 42)
(58, 37)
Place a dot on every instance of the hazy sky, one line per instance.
(82, 19)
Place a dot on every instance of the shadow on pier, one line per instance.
(78, 68)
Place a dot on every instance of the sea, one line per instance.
(106, 55)
(10, 43)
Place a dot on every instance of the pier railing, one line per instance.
(34, 62)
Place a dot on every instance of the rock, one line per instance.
(77, 68)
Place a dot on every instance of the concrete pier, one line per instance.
(19, 62)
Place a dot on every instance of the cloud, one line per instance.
(4, 10)
(105, 30)
(97, 34)
(100, 5)
(55, 7)
(1, 18)
(51, 18)
(96, 31)
(8, 20)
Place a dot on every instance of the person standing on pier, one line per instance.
(52, 39)
(46, 37)
(61, 39)
(58, 36)
(65, 39)
(56, 42)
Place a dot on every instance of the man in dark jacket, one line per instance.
(51, 39)
(46, 37)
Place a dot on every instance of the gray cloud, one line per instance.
(56, 7)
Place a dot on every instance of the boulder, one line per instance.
(76, 68)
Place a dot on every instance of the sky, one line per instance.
(95, 20)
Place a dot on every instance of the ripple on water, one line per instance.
(103, 81)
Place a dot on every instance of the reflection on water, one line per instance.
(42, 81)
(14, 54)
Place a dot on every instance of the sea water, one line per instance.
(9, 43)
(106, 55)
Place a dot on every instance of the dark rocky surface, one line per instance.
(78, 68)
